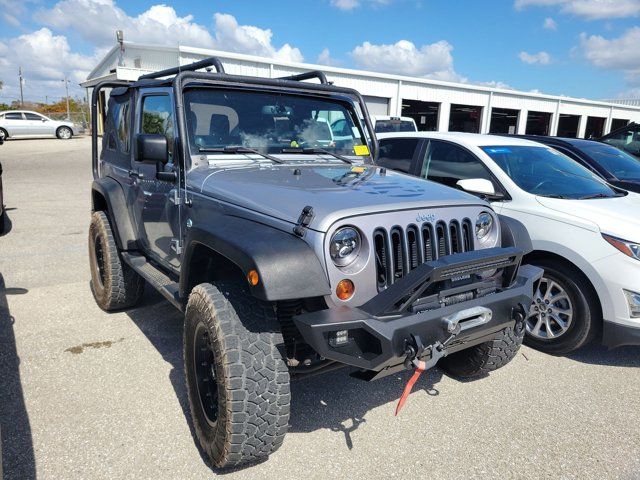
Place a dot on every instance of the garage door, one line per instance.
(377, 105)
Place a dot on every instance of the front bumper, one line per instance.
(379, 331)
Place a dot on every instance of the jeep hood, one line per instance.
(334, 191)
(616, 216)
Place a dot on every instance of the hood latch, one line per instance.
(303, 221)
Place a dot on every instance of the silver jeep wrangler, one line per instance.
(255, 206)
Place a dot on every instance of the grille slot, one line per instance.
(399, 251)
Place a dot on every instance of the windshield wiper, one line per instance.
(595, 195)
(311, 151)
(553, 195)
(239, 149)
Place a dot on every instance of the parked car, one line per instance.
(616, 166)
(286, 254)
(626, 138)
(585, 232)
(2, 215)
(386, 124)
(25, 124)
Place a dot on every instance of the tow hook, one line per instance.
(415, 349)
(518, 314)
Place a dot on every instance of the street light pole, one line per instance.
(66, 86)
(21, 80)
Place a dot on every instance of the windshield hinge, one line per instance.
(176, 246)
(303, 221)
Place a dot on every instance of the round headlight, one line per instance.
(484, 225)
(345, 246)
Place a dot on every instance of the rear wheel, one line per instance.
(237, 379)
(114, 284)
(3, 134)
(486, 357)
(564, 314)
(64, 133)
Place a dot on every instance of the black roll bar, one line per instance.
(207, 62)
(307, 76)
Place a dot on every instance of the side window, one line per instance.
(123, 122)
(33, 116)
(447, 163)
(13, 116)
(157, 118)
(397, 153)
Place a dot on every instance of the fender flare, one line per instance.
(117, 211)
(515, 234)
(287, 267)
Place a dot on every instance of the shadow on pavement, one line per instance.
(7, 222)
(331, 400)
(599, 355)
(18, 460)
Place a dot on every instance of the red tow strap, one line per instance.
(407, 389)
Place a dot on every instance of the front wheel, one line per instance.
(237, 379)
(486, 357)
(564, 313)
(64, 133)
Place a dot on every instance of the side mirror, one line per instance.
(152, 148)
(478, 186)
(44, 120)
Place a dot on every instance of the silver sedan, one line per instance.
(22, 124)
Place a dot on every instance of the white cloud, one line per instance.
(348, 5)
(248, 39)
(621, 53)
(45, 59)
(404, 58)
(325, 58)
(540, 58)
(97, 20)
(494, 84)
(589, 9)
(549, 24)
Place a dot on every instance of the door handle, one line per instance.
(135, 174)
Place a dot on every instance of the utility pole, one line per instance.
(21, 80)
(46, 99)
(66, 86)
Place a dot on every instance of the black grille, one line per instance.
(400, 250)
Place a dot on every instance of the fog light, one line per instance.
(633, 299)
(345, 289)
(339, 338)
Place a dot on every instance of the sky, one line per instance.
(578, 48)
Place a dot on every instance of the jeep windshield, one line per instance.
(546, 172)
(270, 123)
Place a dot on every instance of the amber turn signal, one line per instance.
(253, 278)
(345, 289)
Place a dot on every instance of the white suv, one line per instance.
(22, 124)
(585, 233)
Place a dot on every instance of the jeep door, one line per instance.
(155, 202)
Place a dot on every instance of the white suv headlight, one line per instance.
(630, 249)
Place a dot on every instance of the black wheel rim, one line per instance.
(98, 248)
(204, 368)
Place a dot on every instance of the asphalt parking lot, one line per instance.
(85, 394)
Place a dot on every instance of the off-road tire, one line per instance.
(251, 376)
(2, 222)
(587, 317)
(486, 357)
(115, 285)
(64, 133)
